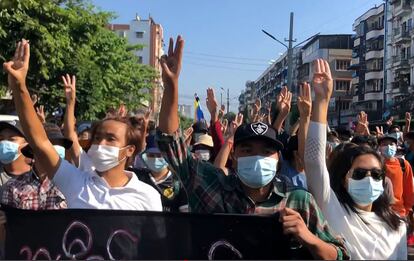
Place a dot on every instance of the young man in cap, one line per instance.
(157, 174)
(13, 163)
(33, 190)
(203, 148)
(400, 173)
(254, 188)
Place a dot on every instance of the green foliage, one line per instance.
(69, 36)
(185, 122)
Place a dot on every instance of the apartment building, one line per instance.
(337, 50)
(149, 34)
(368, 63)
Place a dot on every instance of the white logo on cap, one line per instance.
(259, 128)
(12, 123)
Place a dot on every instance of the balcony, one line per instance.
(355, 80)
(357, 42)
(374, 54)
(403, 9)
(400, 62)
(377, 32)
(355, 60)
(374, 75)
(402, 34)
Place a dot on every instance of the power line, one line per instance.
(228, 57)
(223, 67)
(221, 61)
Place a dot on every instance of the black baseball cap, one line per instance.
(387, 137)
(257, 130)
(200, 127)
(54, 134)
(13, 125)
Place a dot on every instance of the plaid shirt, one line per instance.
(28, 192)
(210, 191)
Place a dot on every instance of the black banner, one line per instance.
(106, 234)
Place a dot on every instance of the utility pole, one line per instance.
(384, 98)
(228, 100)
(290, 53)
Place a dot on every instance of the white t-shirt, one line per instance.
(371, 240)
(88, 190)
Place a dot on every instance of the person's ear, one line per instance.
(130, 150)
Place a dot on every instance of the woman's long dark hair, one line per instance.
(338, 169)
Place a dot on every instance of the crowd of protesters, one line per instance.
(342, 194)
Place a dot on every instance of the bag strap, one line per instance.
(402, 164)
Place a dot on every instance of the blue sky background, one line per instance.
(224, 43)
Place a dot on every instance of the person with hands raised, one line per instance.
(110, 186)
(352, 197)
(215, 124)
(254, 188)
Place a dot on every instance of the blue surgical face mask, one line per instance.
(60, 150)
(365, 191)
(9, 151)
(155, 164)
(396, 135)
(388, 151)
(256, 171)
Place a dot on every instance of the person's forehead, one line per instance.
(388, 141)
(112, 127)
(366, 161)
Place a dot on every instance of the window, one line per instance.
(341, 85)
(122, 34)
(343, 105)
(139, 34)
(139, 59)
(342, 65)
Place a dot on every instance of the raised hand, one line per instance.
(224, 125)
(380, 131)
(18, 67)
(362, 123)
(221, 111)
(304, 100)
(407, 116)
(40, 111)
(172, 62)
(188, 135)
(284, 100)
(322, 80)
(212, 104)
(69, 84)
(234, 125)
(122, 110)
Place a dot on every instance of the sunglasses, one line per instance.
(360, 173)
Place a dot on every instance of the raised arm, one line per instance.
(315, 151)
(171, 68)
(69, 84)
(407, 122)
(223, 155)
(283, 103)
(305, 106)
(215, 125)
(17, 70)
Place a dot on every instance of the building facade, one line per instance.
(400, 61)
(148, 34)
(337, 50)
(185, 110)
(368, 63)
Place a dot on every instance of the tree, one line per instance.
(185, 122)
(69, 36)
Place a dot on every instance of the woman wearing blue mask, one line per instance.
(158, 175)
(352, 198)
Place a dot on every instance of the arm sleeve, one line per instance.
(408, 193)
(317, 175)
(217, 135)
(178, 156)
(69, 179)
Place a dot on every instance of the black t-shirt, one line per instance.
(173, 195)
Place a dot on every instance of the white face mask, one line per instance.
(202, 154)
(105, 157)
